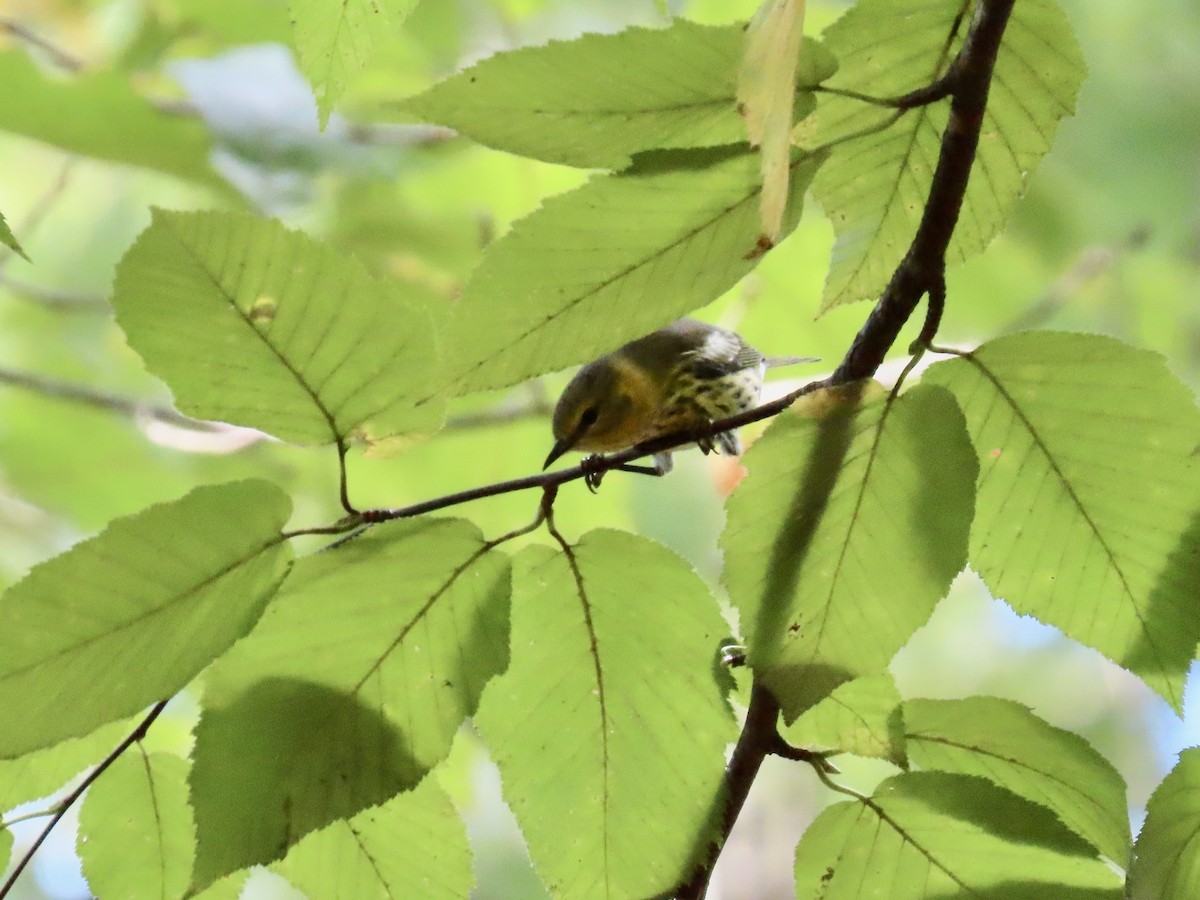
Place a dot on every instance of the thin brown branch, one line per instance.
(56, 54)
(86, 396)
(921, 272)
(67, 802)
(594, 465)
(56, 299)
(40, 209)
(1090, 264)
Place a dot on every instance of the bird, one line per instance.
(683, 376)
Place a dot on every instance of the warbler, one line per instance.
(683, 376)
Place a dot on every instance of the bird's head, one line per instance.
(598, 411)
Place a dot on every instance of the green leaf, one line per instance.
(8, 239)
(421, 626)
(1166, 858)
(847, 531)
(43, 772)
(6, 846)
(130, 616)
(862, 717)
(253, 324)
(609, 728)
(611, 261)
(766, 94)
(401, 628)
(412, 846)
(100, 115)
(875, 187)
(230, 887)
(1088, 515)
(136, 836)
(597, 100)
(335, 40)
(927, 834)
(284, 758)
(1007, 744)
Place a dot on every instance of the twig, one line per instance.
(67, 802)
(602, 464)
(57, 299)
(58, 56)
(755, 743)
(1091, 263)
(77, 393)
(40, 209)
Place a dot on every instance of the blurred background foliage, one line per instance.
(1106, 240)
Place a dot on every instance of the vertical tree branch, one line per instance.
(921, 272)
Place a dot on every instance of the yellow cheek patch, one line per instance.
(636, 422)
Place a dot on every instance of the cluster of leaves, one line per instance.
(1059, 467)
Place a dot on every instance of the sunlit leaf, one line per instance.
(412, 846)
(849, 528)
(6, 845)
(927, 834)
(42, 772)
(8, 239)
(876, 185)
(1166, 858)
(335, 40)
(1005, 743)
(1088, 515)
(253, 324)
(597, 100)
(766, 94)
(862, 717)
(136, 831)
(421, 624)
(609, 728)
(621, 256)
(100, 115)
(130, 616)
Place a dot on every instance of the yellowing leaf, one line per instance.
(766, 92)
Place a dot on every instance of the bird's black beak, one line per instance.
(560, 447)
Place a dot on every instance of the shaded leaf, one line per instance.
(1088, 514)
(609, 262)
(136, 835)
(100, 115)
(253, 324)
(412, 846)
(609, 728)
(335, 40)
(862, 717)
(847, 531)
(1007, 744)
(597, 100)
(8, 239)
(1166, 858)
(874, 190)
(926, 834)
(282, 759)
(421, 624)
(130, 616)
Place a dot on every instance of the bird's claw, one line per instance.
(593, 473)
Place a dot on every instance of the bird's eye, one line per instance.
(588, 418)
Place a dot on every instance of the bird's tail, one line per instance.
(774, 362)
